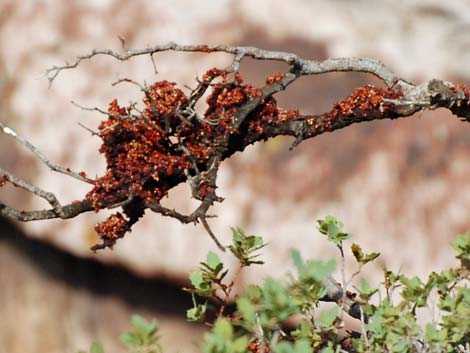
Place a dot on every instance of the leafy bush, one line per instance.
(289, 315)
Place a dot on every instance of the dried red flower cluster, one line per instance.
(363, 104)
(144, 155)
(147, 155)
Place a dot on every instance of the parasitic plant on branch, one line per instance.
(150, 151)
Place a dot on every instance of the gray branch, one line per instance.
(412, 98)
(42, 158)
(304, 66)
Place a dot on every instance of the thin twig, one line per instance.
(48, 196)
(211, 233)
(363, 329)
(343, 280)
(306, 67)
(54, 167)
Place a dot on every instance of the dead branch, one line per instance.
(151, 151)
(54, 167)
(306, 67)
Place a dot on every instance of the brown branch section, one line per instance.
(151, 151)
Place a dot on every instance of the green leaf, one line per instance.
(304, 330)
(414, 291)
(196, 278)
(462, 245)
(223, 328)
(365, 291)
(197, 313)
(319, 270)
(327, 318)
(370, 257)
(401, 346)
(130, 340)
(360, 256)
(213, 260)
(357, 252)
(297, 259)
(278, 303)
(244, 247)
(240, 344)
(247, 310)
(300, 346)
(143, 334)
(333, 228)
(96, 347)
(142, 326)
(254, 293)
(435, 335)
(222, 339)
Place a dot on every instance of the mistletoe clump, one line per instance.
(168, 143)
(149, 154)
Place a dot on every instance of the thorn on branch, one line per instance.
(153, 64)
(123, 43)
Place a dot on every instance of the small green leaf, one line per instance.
(360, 256)
(401, 346)
(130, 340)
(240, 344)
(196, 278)
(327, 318)
(96, 347)
(370, 257)
(333, 228)
(247, 310)
(297, 259)
(254, 293)
(244, 247)
(213, 260)
(223, 328)
(357, 252)
(462, 245)
(142, 326)
(300, 346)
(435, 335)
(197, 313)
(223, 340)
(365, 291)
(319, 270)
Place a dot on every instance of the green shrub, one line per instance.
(288, 315)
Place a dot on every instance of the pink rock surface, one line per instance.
(400, 187)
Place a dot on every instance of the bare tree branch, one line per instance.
(48, 196)
(68, 211)
(151, 151)
(306, 67)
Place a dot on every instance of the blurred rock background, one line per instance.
(400, 187)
